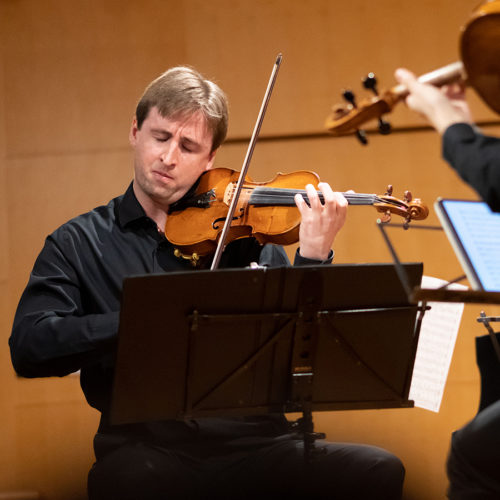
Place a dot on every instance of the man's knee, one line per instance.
(384, 476)
(138, 472)
(360, 471)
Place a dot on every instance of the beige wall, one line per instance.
(70, 75)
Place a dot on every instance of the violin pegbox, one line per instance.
(348, 118)
(408, 207)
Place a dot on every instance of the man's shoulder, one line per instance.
(99, 219)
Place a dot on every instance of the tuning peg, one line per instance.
(370, 83)
(384, 127)
(361, 135)
(349, 96)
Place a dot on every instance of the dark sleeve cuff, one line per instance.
(304, 261)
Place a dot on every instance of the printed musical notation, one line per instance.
(436, 343)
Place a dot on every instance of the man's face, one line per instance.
(169, 155)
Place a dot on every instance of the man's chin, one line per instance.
(164, 199)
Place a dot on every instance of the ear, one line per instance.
(132, 136)
(211, 159)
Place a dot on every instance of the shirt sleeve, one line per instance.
(275, 256)
(52, 335)
(304, 261)
(476, 158)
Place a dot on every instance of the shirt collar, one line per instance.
(130, 209)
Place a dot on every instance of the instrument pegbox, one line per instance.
(370, 83)
(349, 96)
(407, 198)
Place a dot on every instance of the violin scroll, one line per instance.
(408, 207)
(348, 119)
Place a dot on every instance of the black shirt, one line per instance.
(68, 315)
(476, 158)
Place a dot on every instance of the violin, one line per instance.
(479, 68)
(264, 210)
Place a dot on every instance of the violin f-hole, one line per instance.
(215, 224)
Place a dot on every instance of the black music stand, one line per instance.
(417, 294)
(257, 341)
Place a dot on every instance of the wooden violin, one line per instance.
(264, 210)
(479, 68)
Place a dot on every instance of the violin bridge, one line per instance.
(228, 193)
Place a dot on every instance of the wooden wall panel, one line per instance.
(76, 70)
(3, 192)
(7, 397)
(53, 431)
(6, 388)
(71, 73)
(40, 205)
(327, 46)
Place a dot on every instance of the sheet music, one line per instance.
(436, 343)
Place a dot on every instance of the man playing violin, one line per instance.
(67, 320)
(474, 458)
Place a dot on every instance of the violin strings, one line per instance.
(273, 196)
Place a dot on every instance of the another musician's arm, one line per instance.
(443, 106)
(476, 158)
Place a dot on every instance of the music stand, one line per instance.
(417, 294)
(257, 341)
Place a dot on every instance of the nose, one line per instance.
(169, 154)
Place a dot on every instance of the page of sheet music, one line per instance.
(436, 343)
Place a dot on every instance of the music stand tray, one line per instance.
(253, 341)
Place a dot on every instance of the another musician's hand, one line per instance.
(320, 221)
(442, 107)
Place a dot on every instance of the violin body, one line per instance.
(269, 223)
(479, 44)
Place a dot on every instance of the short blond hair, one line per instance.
(184, 91)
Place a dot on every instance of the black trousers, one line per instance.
(474, 460)
(245, 468)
